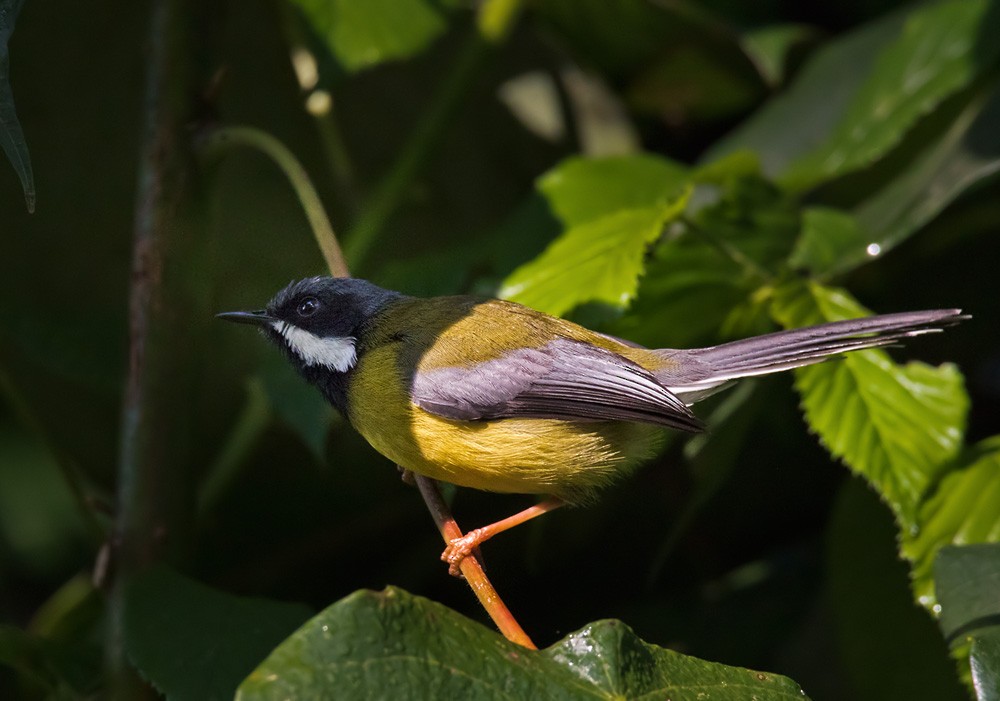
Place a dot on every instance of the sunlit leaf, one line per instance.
(194, 642)
(964, 509)
(363, 34)
(392, 644)
(11, 135)
(612, 209)
(896, 425)
(943, 47)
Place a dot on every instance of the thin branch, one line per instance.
(471, 569)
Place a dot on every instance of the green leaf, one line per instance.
(11, 135)
(967, 580)
(984, 658)
(828, 237)
(584, 190)
(769, 47)
(968, 587)
(364, 34)
(896, 425)
(193, 642)
(612, 209)
(965, 156)
(392, 644)
(943, 47)
(800, 119)
(964, 509)
(684, 298)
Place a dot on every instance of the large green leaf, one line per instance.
(193, 642)
(968, 586)
(896, 425)
(612, 209)
(11, 135)
(800, 119)
(963, 509)
(363, 34)
(943, 47)
(828, 237)
(392, 644)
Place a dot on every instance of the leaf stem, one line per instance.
(494, 21)
(219, 139)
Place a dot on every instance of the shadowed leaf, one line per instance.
(392, 644)
(11, 136)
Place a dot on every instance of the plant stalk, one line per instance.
(167, 308)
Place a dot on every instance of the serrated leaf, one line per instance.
(392, 644)
(613, 209)
(11, 135)
(364, 34)
(194, 642)
(583, 190)
(896, 425)
(688, 290)
(943, 47)
(964, 509)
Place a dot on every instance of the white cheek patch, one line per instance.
(336, 353)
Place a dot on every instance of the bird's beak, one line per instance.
(257, 318)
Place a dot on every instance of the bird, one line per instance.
(496, 396)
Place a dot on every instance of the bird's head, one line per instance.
(318, 321)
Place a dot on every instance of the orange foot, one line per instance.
(460, 548)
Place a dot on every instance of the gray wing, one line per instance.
(564, 379)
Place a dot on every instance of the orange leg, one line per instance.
(459, 548)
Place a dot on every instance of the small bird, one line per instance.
(492, 395)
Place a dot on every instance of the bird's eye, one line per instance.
(308, 306)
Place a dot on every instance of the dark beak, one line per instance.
(257, 318)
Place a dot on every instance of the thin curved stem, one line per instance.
(225, 137)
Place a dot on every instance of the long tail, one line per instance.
(702, 371)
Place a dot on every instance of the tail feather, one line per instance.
(703, 371)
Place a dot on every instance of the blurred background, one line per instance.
(780, 560)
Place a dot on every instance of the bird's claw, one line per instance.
(460, 548)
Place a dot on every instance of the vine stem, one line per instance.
(222, 138)
(326, 238)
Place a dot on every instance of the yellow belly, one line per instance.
(569, 459)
